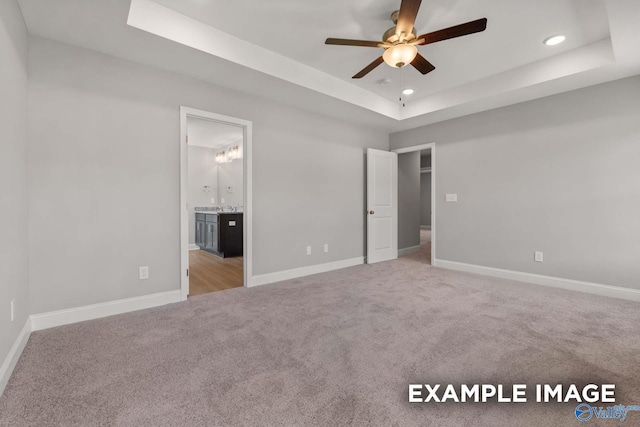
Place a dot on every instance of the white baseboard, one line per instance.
(38, 322)
(96, 311)
(193, 247)
(14, 354)
(538, 279)
(279, 276)
(407, 251)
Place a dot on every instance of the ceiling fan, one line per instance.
(399, 42)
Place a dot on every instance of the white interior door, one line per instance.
(382, 206)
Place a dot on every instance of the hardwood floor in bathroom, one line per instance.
(209, 273)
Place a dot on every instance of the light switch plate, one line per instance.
(213, 201)
(326, 247)
(538, 256)
(451, 198)
(222, 200)
(144, 273)
(308, 250)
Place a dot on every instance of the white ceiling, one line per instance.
(298, 29)
(275, 49)
(210, 134)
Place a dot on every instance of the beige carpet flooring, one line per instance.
(333, 349)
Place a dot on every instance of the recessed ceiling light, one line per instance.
(554, 40)
(407, 91)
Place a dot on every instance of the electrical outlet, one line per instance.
(538, 256)
(144, 272)
(451, 198)
(308, 250)
(326, 247)
(13, 310)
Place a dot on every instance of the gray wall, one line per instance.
(13, 174)
(203, 170)
(408, 200)
(425, 198)
(558, 175)
(104, 177)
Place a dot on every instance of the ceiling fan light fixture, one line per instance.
(554, 40)
(400, 42)
(400, 55)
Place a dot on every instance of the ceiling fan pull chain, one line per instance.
(401, 86)
(400, 71)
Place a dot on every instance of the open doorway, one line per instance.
(425, 204)
(215, 232)
(416, 202)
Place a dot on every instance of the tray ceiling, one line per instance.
(276, 49)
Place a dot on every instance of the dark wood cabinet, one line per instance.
(230, 234)
(220, 233)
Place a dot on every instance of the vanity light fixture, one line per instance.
(233, 153)
(229, 155)
(221, 157)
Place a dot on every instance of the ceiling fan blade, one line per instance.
(456, 31)
(407, 16)
(366, 70)
(347, 42)
(422, 65)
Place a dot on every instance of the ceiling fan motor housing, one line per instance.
(390, 36)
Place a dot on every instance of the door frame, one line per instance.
(432, 147)
(247, 130)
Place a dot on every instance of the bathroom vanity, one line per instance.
(220, 233)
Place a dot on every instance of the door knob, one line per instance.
(371, 212)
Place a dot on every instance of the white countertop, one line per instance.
(216, 213)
